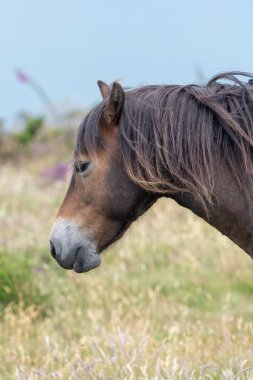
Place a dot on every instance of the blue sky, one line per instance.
(67, 45)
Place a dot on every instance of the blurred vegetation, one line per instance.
(1, 132)
(18, 283)
(36, 137)
(32, 126)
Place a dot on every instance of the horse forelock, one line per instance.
(173, 136)
(89, 138)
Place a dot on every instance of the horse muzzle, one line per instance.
(71, 248)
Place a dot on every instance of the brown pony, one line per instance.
(190, 143)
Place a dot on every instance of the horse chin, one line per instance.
(85, 261)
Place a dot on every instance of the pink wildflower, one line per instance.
(57, 172)
(22, 76)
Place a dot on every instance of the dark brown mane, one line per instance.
(172, 136)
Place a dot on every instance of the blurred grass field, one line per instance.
(172, 300)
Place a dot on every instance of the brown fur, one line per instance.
(106, 202)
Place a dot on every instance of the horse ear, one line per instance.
(115, 104)
(104, 89)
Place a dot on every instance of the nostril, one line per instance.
(52, 250)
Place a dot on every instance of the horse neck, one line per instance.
(230, 214)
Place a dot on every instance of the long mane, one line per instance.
(172, 137)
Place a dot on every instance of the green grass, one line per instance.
(172, 300)
(18, 281)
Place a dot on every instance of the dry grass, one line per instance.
(172, 300)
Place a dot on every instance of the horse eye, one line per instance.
(82, 167)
